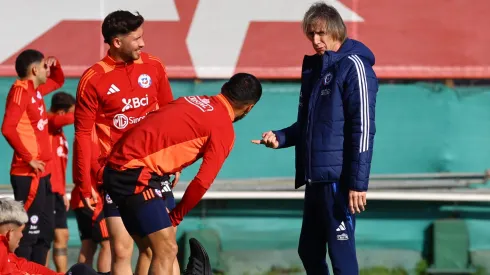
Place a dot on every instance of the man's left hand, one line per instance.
(66, 202)
(176, 179)
(357, 201)
(173, 220)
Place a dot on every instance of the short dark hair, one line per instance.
(242, 89)
(26, 59)
(120, 22)
(62, 101)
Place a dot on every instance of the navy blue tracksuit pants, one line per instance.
(327, 220)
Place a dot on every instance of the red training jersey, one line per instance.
(10, 264)
(59, 146)
(114, 96)
(5, 267)
(25, 120)
(175, 137)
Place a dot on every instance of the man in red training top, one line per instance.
(13, 218)
(25, 129)
(167, 141)
(91, 223)
(115, 94)
(60, 114)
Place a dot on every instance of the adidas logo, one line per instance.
(341, 227)
(165, 186)
(113, 89)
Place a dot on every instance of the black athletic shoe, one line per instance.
(198, 261)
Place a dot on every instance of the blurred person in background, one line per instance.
(60, 114)
(13, 219)
(92, 226)
(25, 129)
(114, 95)
(486, 175)
(333, 138)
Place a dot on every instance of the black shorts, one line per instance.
(60, 219)
(145, 212)
(110, 208)
(38, 199)
(88, 229)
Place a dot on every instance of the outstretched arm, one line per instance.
(215, 154)
(284, 138)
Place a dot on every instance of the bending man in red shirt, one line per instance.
(25, 129)
(13, 218)
(167, 141)
(60, 115)
(115, 94)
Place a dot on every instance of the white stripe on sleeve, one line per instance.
(364, 101)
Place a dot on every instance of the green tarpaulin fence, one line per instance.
(421, 128)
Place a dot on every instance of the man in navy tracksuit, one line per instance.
(333, 137)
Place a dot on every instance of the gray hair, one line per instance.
(320, 11)
(12, 211)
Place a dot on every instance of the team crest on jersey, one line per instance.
(34, 219)
(108, 199)
(144, 81)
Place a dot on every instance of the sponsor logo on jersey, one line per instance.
(134, 103)
(201, 103)
(122, 121)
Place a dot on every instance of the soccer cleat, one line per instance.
(198, 260)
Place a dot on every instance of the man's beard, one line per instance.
(237, 118)
(128, 56)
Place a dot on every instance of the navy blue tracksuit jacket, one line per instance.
(333, 138)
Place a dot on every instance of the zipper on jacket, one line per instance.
(129, 76)
(313, 101)
(311, 111)
(306, 154)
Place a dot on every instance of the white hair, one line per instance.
(12, 211)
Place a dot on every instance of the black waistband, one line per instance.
(160, 182)
(155, 177)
